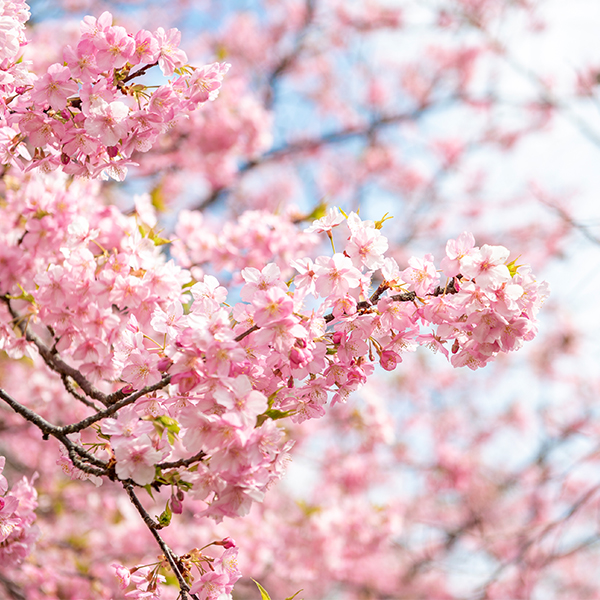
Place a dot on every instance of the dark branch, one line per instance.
(51, 359)
(183, 462)
(309, 145)
(12, 589)
(288, 60)
(113, 408)
(171, 557)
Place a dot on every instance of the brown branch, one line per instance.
(309, 145)
(68, 383)
(519, 558)
(183, 462)
(113, 408)
(13, 590)
(289, 59)
(52, 359)
(365, 305)
(172, 558)
(75, 452)
(138, 73)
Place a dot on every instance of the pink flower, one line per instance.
(141, 369)
(82, 61)
(487, 266)
(115, 48)
(332, 219)
(8, 520)
(136, 458)
(54, 87)
(366, 247)
(208, 295)
(271, 305)
(335, 275)
(421, 275)
(204, 83)
(170, 57)
(107, 121)
(260, 280)
(455, 251)
(305, 281)
(146, 48)
(3, 482)
(127, 424)
(93, 28)
(168, 321)
(210, 586)
(123, 575)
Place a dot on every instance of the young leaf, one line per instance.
(263, 593)
(165, 517)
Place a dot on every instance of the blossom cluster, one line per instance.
(183, 376)
(118, 311)
(87, 115)
(18, 533)
(13, 16)
(254, 239)
(213, 577)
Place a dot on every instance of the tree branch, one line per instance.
(308, 145)
(183, 462)
(113, 408)
(13, 590)
(75, 452)
(53, 360)
(291, 57)
(171, 557)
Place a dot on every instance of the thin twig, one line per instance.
(53, 360)
(113, 408)
(183, 462)
(171, 557)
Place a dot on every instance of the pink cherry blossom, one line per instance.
(487, 265)
(170, 56)
(421, 276)
(335, 276)
(136, 457)
(54, 87)
(141, 369)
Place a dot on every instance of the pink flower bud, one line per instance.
(176, 505)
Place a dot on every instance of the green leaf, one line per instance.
(149, 490)
(26, 296)
(165, 517)
(263, 593)
(271, 398)
(163, 423)
(274, 414)
(157, 198)
(158, 241)
(308, 509)
(292, 597)
(320, 210)
(170, 423)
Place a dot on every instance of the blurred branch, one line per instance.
(583, 229)
(12, 589)
(310, 145)
(288, 60)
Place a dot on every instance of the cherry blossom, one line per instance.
(177, 358)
